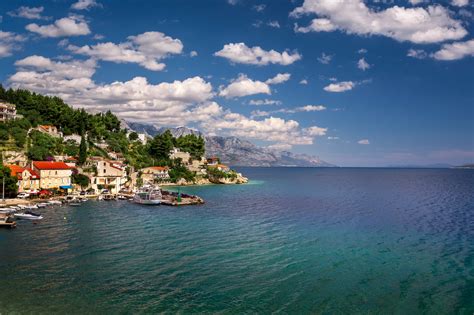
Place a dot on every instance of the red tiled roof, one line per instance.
(33, 173)
(47, 165)
(15, 169)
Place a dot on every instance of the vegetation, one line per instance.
(10, 181)
(81, 180)
(100, 133)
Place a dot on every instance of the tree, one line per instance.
(133, 136)
(81, 180)
(82, 151)
(11, 187)
(161, 146)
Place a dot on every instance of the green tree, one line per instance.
(82, 151)
(133, 136)
(161, 146)
(81, 180)
(11, 187)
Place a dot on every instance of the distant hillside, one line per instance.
(238, 152)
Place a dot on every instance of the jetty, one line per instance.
(7, 221)
(170, 198)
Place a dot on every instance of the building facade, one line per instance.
(155, 174)
(53, 175)
(109, 175)
(28, 179)
(7, 111)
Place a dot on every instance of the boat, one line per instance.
(42, 205)
(6, 220)
(28, 215)
(55, 202)
(148, 195)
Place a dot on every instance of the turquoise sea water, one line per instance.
(294, 240)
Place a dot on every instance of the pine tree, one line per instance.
(82, 151)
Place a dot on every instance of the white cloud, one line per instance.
(193, 53)
(274, 24)
(73, 25)
(259, 7)
(243, 86)
(240, 53)
(363, 141)
(460, 3)
(418, 25)
(333, 138)
(232, 2)
(417, 53)
(163, 104)
(455, 51)
(325, 59)
(264, 102)
(9, 42)
(340, 86)
(259, 113)
(146, 49)
(416, 2)
(32, 13)
(279, 147)
(279, 78)
(98, 37)
(362, 64)
(85, 4)
(306, 108)
(362, 51)
(304, 82)
(315, 131)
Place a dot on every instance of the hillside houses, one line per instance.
(106, 174)
(28, 179)
(53, 175)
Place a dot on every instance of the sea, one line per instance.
(291, 241)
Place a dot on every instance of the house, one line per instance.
(50, 130)
(69, 160)
(221, 167)
(7, 111)
(56, 175)
(109, 175)
(178, 154)
(155, 173)
(28, 179)
(74, 137)
(212, 161)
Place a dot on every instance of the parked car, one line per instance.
(82, 193)
(23, 195)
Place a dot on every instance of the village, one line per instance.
(106, 176)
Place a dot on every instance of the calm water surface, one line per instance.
(292, 241)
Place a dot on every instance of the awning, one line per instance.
(66, 187)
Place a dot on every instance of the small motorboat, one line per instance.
(55, 202)
(42, 205)
(6, 220)
(28, 215)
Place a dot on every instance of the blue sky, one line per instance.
(357, 83)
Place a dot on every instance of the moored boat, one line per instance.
(148, 195)
(28, 215)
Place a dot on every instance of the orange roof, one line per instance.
(47, 165)
(15, 169)
(33, 173)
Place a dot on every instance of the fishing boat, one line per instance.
(28, 215)
(148, 195)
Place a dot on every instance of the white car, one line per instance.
(23, 195)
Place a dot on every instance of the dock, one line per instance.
(6, 221)
(173, 199)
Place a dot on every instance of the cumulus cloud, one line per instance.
(279, 78)
(325, 59)
(193, 53)
(145, 49)
(460, 3)
(363, 141)
(74, 25)
(306, 108)
(363, 65)
(84, 4)
(455, 51)
(417, 53)
(264, 102)
(9, 42)
(416, 2)
(340, 86)
(243, 86)
(188, 101)
(259, 7)
(240, 53)
(304, 82)
(273, 24)
(31, 13)
(432, 24)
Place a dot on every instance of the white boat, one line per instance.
(55, 202)
(27, 215)
(148, 195)
(42, 205)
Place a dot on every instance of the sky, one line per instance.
(354, 82)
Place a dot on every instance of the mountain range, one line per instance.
(235, 151)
